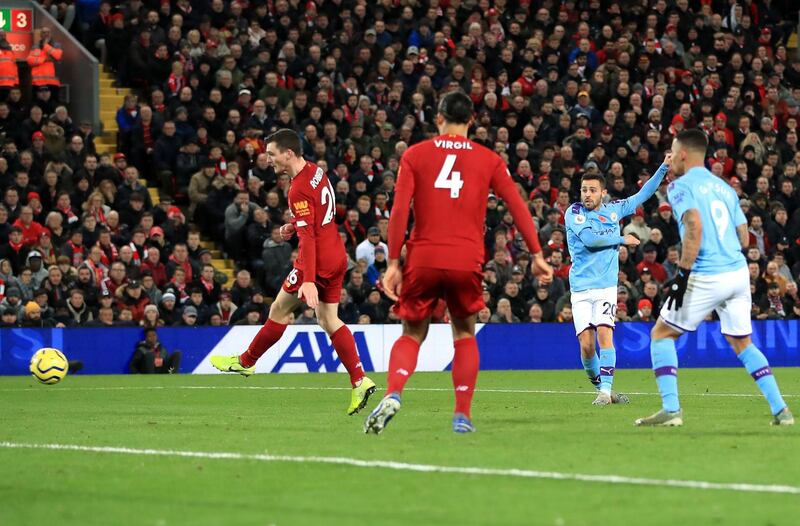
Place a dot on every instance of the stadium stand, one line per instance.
(175, 204)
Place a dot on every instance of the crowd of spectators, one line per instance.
(560, 89)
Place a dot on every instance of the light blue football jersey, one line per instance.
(720, 214)
(594, 237)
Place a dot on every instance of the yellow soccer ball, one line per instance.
(49, 366)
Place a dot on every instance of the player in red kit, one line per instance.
(317, 276)
(448, 179)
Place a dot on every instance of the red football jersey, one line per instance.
(313, 204)
(448, 179)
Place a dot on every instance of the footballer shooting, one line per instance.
(318, 272)
(593, 239)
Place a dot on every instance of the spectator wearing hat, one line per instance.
(39, 272)
(150, 356)
(13, 300)
(650, 252)
(188, 317)
(667, 224)
(168, 309)
(130, 296)
(637, 226)
(33, 318)
(644, 311)
(9, 318)
(224, 307)
(366, 249)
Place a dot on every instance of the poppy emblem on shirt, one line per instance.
(602, 219)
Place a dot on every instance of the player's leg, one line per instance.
(665, 366)
(589, 357)
(757, 365)
(345, 346)
(421, 290)
(403, 357)
(269, 334)
(402, 363)
(466, 364)
(463, 292)
(582, 314)
(703, 295)
(735, 324)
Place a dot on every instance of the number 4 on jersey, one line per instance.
(448, 179)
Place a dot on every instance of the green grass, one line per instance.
(725, 439)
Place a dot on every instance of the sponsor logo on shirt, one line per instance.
(301, 208)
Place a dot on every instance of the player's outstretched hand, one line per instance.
(393, 281)
(630, 239)
(676, 289)
(668, 158)
(308, 293)
(287, 231)
(542, 269)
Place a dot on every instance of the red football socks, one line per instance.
(345, 347)
(466, 362)
(402, 362)
(267, 336)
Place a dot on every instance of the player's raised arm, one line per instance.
(647, 190)
(398, 224)
(504, 187)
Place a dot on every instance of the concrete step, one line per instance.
(222, 263)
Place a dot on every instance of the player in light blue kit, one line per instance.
(593, 238)
(712, 275)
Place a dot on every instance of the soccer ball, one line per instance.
(49, 365)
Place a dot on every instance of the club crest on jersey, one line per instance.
(580, 219)
(614, 216)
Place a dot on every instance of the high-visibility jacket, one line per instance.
(9, 74)
(43, 65)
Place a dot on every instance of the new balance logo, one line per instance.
(462, 388)
(402, 371)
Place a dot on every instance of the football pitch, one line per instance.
(279, 449)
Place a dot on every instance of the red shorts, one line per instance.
(423, 287)
(329, 288)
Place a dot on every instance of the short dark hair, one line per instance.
(286, 139)
(594, 177)
(456, 107)
(693, 139)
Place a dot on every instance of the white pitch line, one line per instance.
(421, 468)
(321, 388)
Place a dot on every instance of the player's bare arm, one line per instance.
(393, 279)
(691, 242)
(744, 235)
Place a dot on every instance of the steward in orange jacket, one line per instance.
(42, 60)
